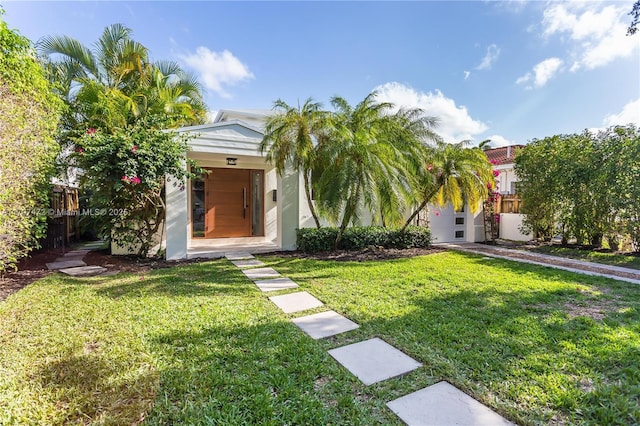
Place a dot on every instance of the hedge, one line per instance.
(313, 240)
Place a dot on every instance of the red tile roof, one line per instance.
(502, 155)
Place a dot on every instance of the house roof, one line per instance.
(502, 155)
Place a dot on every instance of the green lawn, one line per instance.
(591, 256)
(200, 344)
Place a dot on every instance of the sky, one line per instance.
(509, 71)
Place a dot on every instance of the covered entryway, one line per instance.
(228, 203)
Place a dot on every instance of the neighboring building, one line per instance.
(509, 204)
(449, 226)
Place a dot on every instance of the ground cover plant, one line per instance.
(199, 344)
(608, 258)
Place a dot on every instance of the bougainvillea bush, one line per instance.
(126, 173)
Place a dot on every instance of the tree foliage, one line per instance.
(370, 154)
(635, 18)
(30, 116)
(585, 186)
(125, 172)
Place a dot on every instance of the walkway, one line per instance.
(72, 262)
(372, 360)
(573, 265)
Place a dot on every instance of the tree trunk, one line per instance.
(348, 212)
(312, 208)
(419, 209)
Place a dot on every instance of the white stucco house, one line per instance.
(242, 201)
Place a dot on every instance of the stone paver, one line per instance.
(296, 302)
(259, 273)
(374, 360)
(80, 252)
(247, 263)
(276, 284)
(443, 404)
(65, 264)
(66, 258)
(324, 324)
(84, 271)
(238, 256)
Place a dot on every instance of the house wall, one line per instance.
(506, 178)
(442, 221)
(510, 224)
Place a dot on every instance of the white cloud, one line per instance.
(493, 52)
(630, 114)
(217, 69)
(542, 73)
(467, 74)
(455, 122)
(597, 32)
(497, 141)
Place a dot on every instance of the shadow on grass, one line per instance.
(268, 374)
(205, 279)
(91, 388)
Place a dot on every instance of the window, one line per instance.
(459, 234)
(197, 208)
(514, 188)
(459, 220)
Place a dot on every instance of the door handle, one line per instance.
(244, 203)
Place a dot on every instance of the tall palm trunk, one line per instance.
(349, 208)
(312, 207)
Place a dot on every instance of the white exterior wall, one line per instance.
(506, 178)
(442, 222)
(510, 224)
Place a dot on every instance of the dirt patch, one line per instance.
(361, 255)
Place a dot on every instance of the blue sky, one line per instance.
(506, 70)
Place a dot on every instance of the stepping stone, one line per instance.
(258, 273)
(374, 360)
(324, 324)
(77, 252)
(238, 256)
(66, 258)
(444, 404)
(276, 284)
(295, 302)
(65, 264)
(247, 263)
(84, 271)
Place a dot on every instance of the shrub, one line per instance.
(313, 240)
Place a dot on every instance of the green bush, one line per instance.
(357, 238)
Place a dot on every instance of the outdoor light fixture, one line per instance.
(275, 195)
(232, 161)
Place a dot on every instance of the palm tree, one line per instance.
(293, 136)
(367, 160)
(114, 84)
(453, 173)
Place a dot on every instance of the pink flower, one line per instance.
(496, 173)
(430, 167)
(437, 214)
(135, 180)
(489, 185)
(91, 131)
(494, 162)
(79, 149)
(125, 179)
(134, 149)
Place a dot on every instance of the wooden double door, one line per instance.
(233, 201)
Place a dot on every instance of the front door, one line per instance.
(233, 203)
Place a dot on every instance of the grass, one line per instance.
(626, 261)
(199, 344)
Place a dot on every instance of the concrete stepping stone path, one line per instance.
(82, 271)
(247, 263)
(274, 284)
(324, 324)
(296, 302)
(72, 263)
(259, 273)
(444, 404)
(238, 256)
(374, 360)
